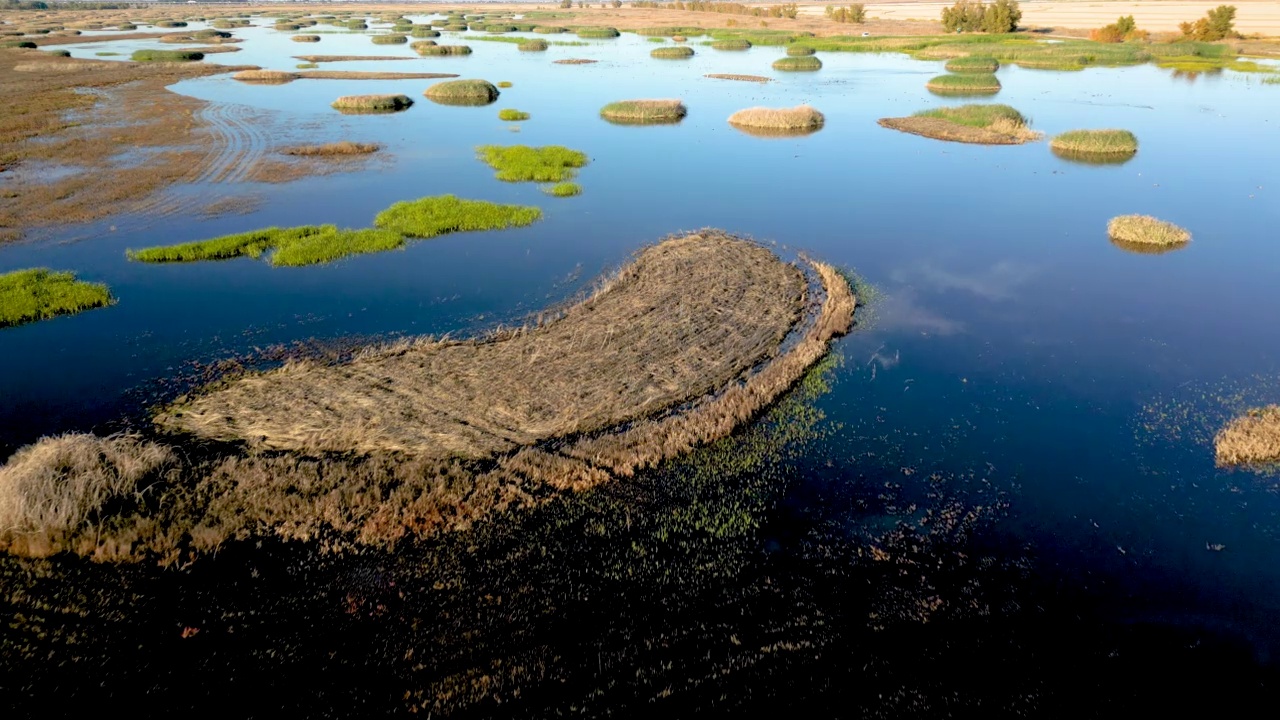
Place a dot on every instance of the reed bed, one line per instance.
(306, 38)
(434, 216)
(598, 33)
(742, 78)
(343, 148)
(167, 56)
(463, 92)
(973, 64)
(389, 39)
(679, 52)
(522, 163)
(512, 115)
(39, 294)
(644, 112)
(248, 244)
(372, 103)
(428, 50)
(533, 46)
(564, 189)
(1146, 230)
(798, 119)
(425, 32)
(807, 63)
(964, 84)
(265, 77)
(1103, 144)
(1252, 439)
(799, 50)
(976, 124)
(734, 44)
(550, 29)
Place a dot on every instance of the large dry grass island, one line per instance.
(697, 335)
(1250, 439)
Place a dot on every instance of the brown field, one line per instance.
(686, 378)
(1250, 439)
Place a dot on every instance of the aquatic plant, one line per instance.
(268, 77)
(672, 53)
(532, 46)
(463, 92)
(964, 84)
(1249, 439)
(306, 66)
(1095, 143)
(733, 44)
(345, 147)
(372, 103)
(428, 48)
(40, 293)
(389, 39)
(504, 84)
(978, 124)
(800, 117)
(799, 50)
(522, 163)
(550, 29)
(1146, 230)
(500, 28)
(511, 115)
(247, 244)
(973, 64)
(424, 32)
(334, 244)
(797, 64)
(564, 189)
(598, 33)
(170, 24)
(306, 38)
(167, 56)
(443, 214)
(642, 112)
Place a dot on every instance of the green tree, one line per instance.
(1218, 24)
(1001, 17)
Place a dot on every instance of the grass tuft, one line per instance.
(389, 39)
(802, 118)
(345, 147)
(427, 48)
(463, 92)
(535, 45)
(973, 64)
(372, 103)
(522, 163)
(38, 294)
(1250, 439)
(731, 44)
(167, 56)
(564, 189)
(1146, 230)
(334, 244)
(306, 38)
(265, 77)
(644, 112)
(798, 64)
(433, 216)
(799, 50)
(1084, 144)
(964, 84)
(976, 124)
(675, 52)
(598, 33)
(511, 115)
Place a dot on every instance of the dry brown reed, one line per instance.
(802, 118)
(1250, 439)
(1000, 133)
(345, 147)
(265, 77)
(744, 78)
(575, 61)
(1146, 230)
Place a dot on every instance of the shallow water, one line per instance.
(1008, 336)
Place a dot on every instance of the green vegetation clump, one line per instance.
(978, 116)
(171, 24)
(39, 294)
(976, 124)
(973, 64)
(964, 84)
(522, 163)
(1146, 230)
(372, 103)
(644, 112)
(799, 50)
(25, 44)
(389, 39)
(425, 32)
(167, 56)
(307, 66)
(287, 27)
(536, 45)
(423, 48)
(504, 84)
(797, 64)
(247, 244)
(598, 33)
(733, 44)
(455, 27)
(670, 31)
(500, 28)
(1002, 16)
(432, 216)
(550, 29)
(564, 189)
(334, 244)
(511, 115)
(1095, 143)
(306, 38)
(463, 92)
(676, 52)
(1218, 24)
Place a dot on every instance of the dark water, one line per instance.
(1013, 360)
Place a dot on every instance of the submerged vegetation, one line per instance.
(433, 216)
(372, 103)
(1115, 145)
(798, 64)
(1146, 230)
(463, 92)
(978, 124)
(522, 163)
(644, 112)
(38, 294)
(964, 84)
(1251, 439)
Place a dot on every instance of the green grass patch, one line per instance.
(307, 66)
(433, 216)
(806, 63)
(733, 44)
(799, 50)
(24, 44)
(598, 33)
(973, 64)
(38, 294)
(424, 32)
(964, 84)
(1093, 143)
(660, 41)
(167, 56)
(463, 92)
(564, 189)
(671, 31)
(522, 163)
(978, 116)
(106, 54)
(550, 29)
(334, 244)
(306, 38)
(389, 39)
(248, 244)
(536, 45)
(675, 52)
(504, 84)
(372, 103)
(644, 112)
(422, 48)
(511, 115)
